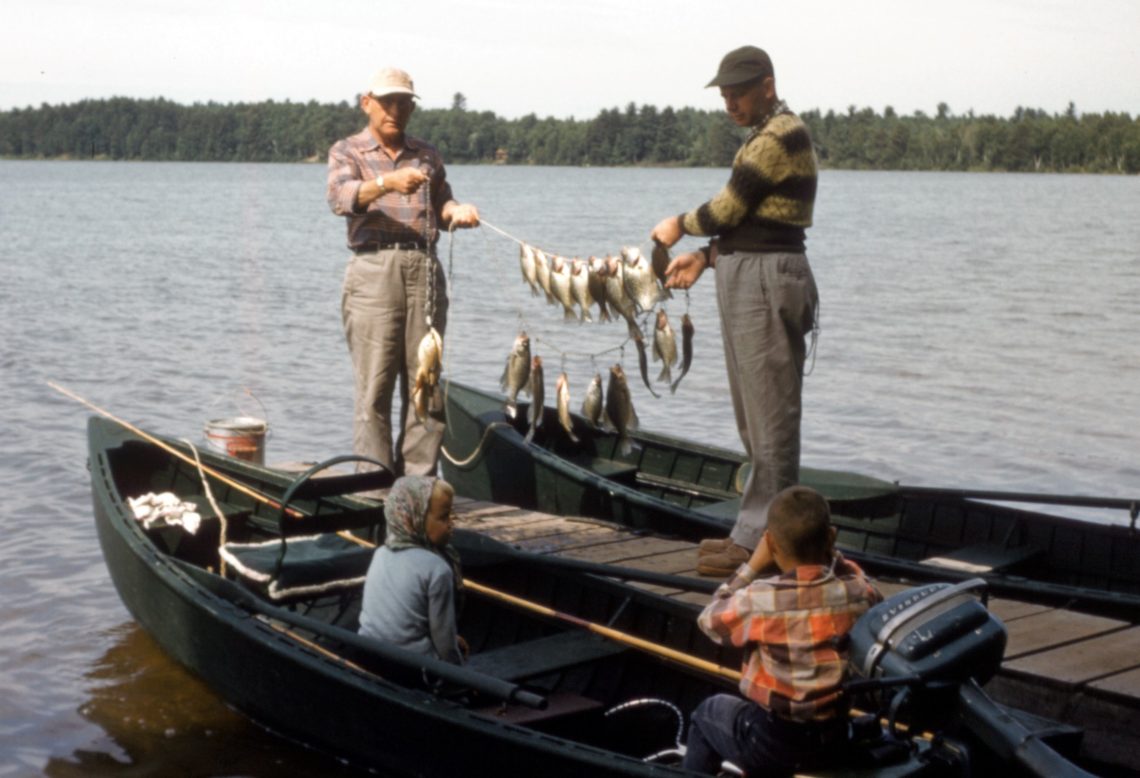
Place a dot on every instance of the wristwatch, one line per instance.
(380, 182)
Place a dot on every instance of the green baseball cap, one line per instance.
(743, 64)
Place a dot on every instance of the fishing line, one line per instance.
(581, 354)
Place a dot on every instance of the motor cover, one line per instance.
(940, 632)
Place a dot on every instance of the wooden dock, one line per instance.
(1071, 667)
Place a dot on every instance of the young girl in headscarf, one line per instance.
(410, 590)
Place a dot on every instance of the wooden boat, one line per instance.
(673, 486)
(537, 697)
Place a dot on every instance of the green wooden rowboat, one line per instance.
(537, 697)
(672, 486)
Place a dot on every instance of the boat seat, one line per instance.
(611, 469)
(543, 655)
(723, 509)
(313, 564)
(983, 558)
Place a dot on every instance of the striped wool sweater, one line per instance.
(772, 184)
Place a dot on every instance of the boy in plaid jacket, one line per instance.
(793, 628)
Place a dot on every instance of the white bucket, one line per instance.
(242, 437)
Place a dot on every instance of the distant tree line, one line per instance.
(158, 129)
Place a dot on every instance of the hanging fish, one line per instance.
(536, 398)
(429, 362)
(516, 375)
(615, 292)
(642, 359)
(592, 405)
(640, 284)
(562, 392)
(687, 332)
(664, 346)
(580, 287)
(542, 273)
(560, 287)
(619, 409)
(596, 278)
(659, 260)
(529, 271)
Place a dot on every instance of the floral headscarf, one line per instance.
(405, 515)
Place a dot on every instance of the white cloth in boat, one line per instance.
(167, 509)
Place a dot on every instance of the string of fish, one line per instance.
(614, 408)
(632, 285)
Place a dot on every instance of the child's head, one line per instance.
(799, 528)
(437, 525)
(418, 512)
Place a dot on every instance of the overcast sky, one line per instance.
(573, 58)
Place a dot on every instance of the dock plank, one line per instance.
(1086, 660)
(1126, 684)
(631, 548)
(1054, 628)
(564, 541)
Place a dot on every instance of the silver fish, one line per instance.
(529, 271)
(640, 284)
(536, 398)
(597, 283)
(516, 375)
(562, 392)
(687, 333)
(619, 409)
(664, 346)
(592, 405)
(560, 287)
(429, 362)
(542, 273)
(615, 291)
(580, 286)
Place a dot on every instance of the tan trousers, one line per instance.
(767, 303)
(383, 306)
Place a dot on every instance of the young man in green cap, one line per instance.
(765, 290)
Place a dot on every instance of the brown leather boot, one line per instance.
(723, 564)
(714, 546)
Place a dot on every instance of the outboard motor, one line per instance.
(931, 639)
(927, 650)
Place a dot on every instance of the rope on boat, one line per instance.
(213, 503)
(463, 463)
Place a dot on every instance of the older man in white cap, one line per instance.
(393, 191)
(764, 287)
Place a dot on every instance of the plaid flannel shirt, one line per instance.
(793, 629)
(392, 217)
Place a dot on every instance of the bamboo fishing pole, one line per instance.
(246, 490)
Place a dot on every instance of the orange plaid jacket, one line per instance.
(793, 629)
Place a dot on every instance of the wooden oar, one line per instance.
(246, 490)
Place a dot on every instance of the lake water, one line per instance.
(977, 331)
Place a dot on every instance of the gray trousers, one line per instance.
(383, 306)
(767, 303)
